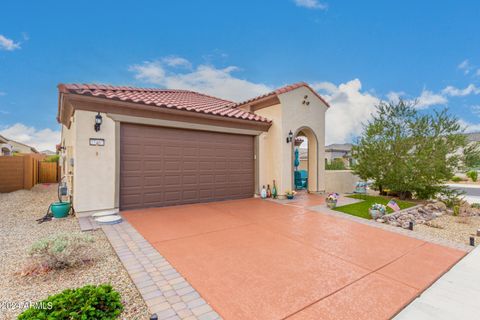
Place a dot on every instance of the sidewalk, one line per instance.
(456, 295)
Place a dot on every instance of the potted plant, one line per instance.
(290, 194)
(332, 199)
(377, 211)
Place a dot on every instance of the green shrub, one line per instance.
(52, 158)
(456, 179)
(451, 197)
(336, 164)
(473, 174)
(61, 251)
(88, 302)
(475, 205)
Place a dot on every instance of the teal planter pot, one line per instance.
(60, 209)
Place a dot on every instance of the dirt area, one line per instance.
(458, 229)
(18, 230)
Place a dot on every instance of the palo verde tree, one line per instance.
(410, 153)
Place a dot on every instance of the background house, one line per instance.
(341, 152)
(8, 147)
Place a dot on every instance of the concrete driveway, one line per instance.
(256, 259)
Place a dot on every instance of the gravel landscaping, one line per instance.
(18, 230)
(457, 229)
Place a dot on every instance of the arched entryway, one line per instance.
(305, 160)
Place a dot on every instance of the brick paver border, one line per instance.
(164, 290)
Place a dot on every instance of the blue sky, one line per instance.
(353, 52)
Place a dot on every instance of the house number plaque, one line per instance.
(97, 142)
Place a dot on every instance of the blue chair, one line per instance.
(301, 179)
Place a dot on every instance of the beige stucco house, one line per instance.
(126, 148)
(9, 147)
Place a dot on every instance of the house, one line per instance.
(339, 151)
(48, 152)
(127, 148)
(8, 147)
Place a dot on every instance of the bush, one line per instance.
(475, 205)
(456, 179)
(336, 164)
(451, 197)
(473, 174)
(88, 302)
(52, 158)
(61, 251)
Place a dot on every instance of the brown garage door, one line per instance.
(165, 166)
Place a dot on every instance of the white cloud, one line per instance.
(8, 44)
(350, 108)
(465, 66)
(44, 139)
(174, 61)
(311, 4)
(455, 92)
(394, 96)
(428, 98)
(469, 127)
(475, 109)
(219, 82)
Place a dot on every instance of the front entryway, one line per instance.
(162, 166)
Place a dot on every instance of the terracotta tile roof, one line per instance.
(165, 98)
(281, 90)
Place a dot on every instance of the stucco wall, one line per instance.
(295, 116)
(341, 181)
(94, 166)
(269, 146)
(303, 165)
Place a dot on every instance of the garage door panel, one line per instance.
(167, 166)
(134, 149)
(132, 165)
(172, 181)
(153, 165)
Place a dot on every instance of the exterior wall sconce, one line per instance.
(98, 122)
(290, 137)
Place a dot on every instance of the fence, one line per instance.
(47, 172)
(25, 171)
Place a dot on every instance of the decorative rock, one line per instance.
(421, 215)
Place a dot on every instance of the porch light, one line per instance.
(290, 137)
(98, 122)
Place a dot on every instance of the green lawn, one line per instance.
(360, 209)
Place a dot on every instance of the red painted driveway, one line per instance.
(256, 259)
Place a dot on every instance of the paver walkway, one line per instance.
(254, 259)
(166, 293)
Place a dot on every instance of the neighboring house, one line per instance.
(8, 147)
(48, 152)
(161, 147)
(473, 137)
(339, 151)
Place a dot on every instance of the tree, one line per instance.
(408, 152)
(471, 155)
